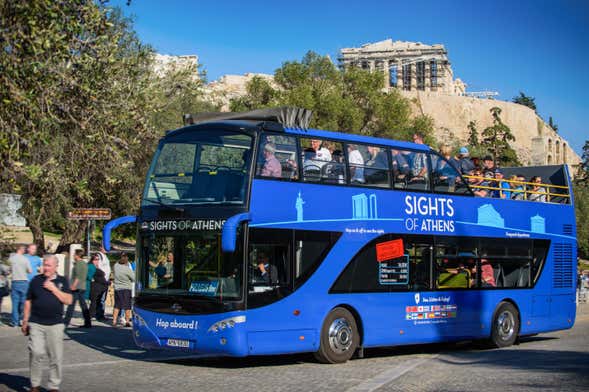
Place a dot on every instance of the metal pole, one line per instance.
(88, 238)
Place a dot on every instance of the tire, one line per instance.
(339, 337)
(505, 328)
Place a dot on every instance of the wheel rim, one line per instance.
(340, 335)
(505, 325)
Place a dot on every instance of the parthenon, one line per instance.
(409, 66)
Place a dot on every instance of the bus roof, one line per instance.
(318, 133)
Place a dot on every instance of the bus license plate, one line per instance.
(178, 343)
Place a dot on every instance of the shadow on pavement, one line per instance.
(13, 382)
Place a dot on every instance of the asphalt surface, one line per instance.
(106, 359)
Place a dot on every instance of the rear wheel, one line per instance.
(339, 337)
(505, 329)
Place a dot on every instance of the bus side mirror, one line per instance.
(111, 225)
(229, 233)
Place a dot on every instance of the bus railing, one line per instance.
(551, 195)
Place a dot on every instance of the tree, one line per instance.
(349, 100)
(82, 110)
(581, 193)
(525, 100)
(497, 138)
(552, 125)
(473, 134)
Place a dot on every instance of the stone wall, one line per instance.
(535, 142)
(9, 214)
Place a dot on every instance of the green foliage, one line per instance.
(473, 134)
(497, 138)
(349, 100)
(523, 99)
(581, 192)
(82, 110)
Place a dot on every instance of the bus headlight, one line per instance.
(139, 320)
(226, 323)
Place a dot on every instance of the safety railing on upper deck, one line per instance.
(522, 190)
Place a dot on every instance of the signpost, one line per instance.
(90, 215)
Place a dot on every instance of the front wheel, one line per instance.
(505, 327)
(339, 337)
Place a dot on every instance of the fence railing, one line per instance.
(524, 188)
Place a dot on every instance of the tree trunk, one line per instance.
(73, 234)
(38, 236)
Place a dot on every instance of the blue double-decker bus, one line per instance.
(259, 236)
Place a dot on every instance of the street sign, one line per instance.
(89, 214)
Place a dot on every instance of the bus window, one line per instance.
(323, 161)
(446, 178)
(400, 168)
(369, 272)
(269, 268)
(311, 247)
(456, 265)
(277, 157)
(368, 165)
(418, 171)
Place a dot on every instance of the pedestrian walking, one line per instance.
(104, 265)
(98, 286)
(20, 267)
(124, 280)
(34, 261)
(78, 287)
(42, 321)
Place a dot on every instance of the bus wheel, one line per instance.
(339, 337)
(505, 325)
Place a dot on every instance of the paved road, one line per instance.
(104, 359)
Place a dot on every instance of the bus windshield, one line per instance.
(207, 167)
(190, 265)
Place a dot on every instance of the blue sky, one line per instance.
(539, 47)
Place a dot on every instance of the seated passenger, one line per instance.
(537, 192)
(465, 165)
(518, 188)
(487, 274)
(479, 184)
(400, 166)
(321, 153)
(445, 171)
(378, 163)
(418, 167)
(505, 191)
(272, 167)
(356, 164)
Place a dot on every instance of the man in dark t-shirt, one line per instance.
(43, 322)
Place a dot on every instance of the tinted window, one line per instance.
(446, 177)
(310, 248)
(368, 165)
(277, 157)
(389, 263)
(323, 161)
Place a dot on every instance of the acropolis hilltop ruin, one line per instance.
(407, 66)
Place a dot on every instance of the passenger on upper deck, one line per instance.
(537, 193)
(418, 161)
(465, 165)
(400, 166)
(271, 166)
(488, 165)
(356, 164)
(519, 188)
(446, 169)
(505, 191)
(321, 153)
(378, 164)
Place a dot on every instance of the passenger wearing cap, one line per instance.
(271, 166)
(505, 191)
(465, 165)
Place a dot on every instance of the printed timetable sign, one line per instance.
(394, 271)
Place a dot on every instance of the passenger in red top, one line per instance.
(487, 275)
(271, 166)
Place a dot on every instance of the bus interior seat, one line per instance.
(512, 275)
(498, 275)
(234, 185)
